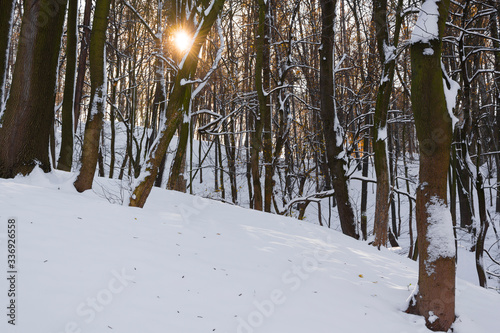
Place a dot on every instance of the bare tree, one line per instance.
(331, 126)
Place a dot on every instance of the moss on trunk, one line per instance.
(436, 292)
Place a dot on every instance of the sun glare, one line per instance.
(182, 40)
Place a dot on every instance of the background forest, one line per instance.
(305, 108)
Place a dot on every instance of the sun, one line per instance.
(182, 40)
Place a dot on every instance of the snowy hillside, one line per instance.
(189, 265)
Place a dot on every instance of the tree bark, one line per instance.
(262, 116)
(97, 107)
(66, 154)
(380, 131)
(262, 77)
(435, 299)
(483, 225)
(82, 63)
(462, 134)
(332, 130)
(494, 33)
(6, 17)
(29, 112)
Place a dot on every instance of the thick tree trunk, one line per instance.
(29, 113)
(6, 17)
(435, 299)
(335, 152)
(66, 155)
(97, 107)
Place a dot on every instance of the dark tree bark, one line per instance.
(435, 299)
(483, 226)
(29, 112)
(97, 107)
(66, 155)
(332, 130)
(82, 63)
(462, 133)
(364, 191)
(262, 116)
(6, 17)
(262, 85)
(494, 18)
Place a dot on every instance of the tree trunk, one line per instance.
(82, 63)
(364, 191)
(388, 62)
(6, 17)
(335, 152)
(66, 154)
(181, 92)
(262, 116)
(262, 77)
(176, 180)
(483, 226)
(29, 112)
(97, 107)
(494, 33)
(435, 299)
(462, 134)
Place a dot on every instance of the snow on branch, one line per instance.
(216, 61)
(426, 28)
(451, 89)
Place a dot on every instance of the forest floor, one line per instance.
(184, 264)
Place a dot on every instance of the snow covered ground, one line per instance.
(189, 265)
